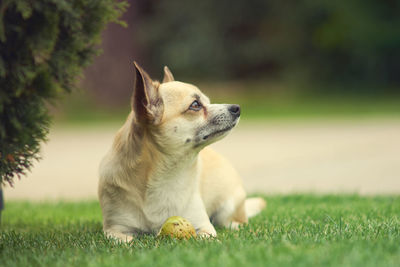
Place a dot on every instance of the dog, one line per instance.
(160, 166)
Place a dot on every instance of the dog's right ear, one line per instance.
(147, 104)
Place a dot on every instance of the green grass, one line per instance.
(259, 101)
(314, 108)
(258, 109)
(295, 230)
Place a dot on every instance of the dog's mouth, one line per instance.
(218, 132)
(205, 137)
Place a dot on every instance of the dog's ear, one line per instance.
(168, 77)
(147, 104)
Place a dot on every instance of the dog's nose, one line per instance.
(234, 110)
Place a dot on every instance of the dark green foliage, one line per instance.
(343, 42)
(43, 47)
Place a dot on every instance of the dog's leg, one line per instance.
(117, 232)
(198, 216)
(230, 215)
(207, 230)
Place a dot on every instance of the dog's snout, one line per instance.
(234, 110)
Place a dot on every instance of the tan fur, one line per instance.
(160, 166)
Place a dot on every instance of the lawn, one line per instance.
(294, 230)
(259, 101)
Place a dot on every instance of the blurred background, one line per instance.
(318, 83)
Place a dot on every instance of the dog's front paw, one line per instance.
(207, 233)
(117, 236)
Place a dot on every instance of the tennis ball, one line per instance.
(177, 227)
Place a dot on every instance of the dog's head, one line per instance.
(178, 115)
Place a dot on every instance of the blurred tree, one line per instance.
(340, 42)
(44, 44)
(354, 43)
(207, 38)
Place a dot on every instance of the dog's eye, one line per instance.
(196, 106)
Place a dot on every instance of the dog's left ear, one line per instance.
(147, 103)
(168, 77)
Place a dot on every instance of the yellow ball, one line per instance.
(177, 227)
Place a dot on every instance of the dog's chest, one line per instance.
(169, 196)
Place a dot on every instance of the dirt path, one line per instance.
(272, 157)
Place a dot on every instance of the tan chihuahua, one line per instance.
(159, 165)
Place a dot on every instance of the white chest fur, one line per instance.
(169, 195)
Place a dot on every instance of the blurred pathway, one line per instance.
(272, 157)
